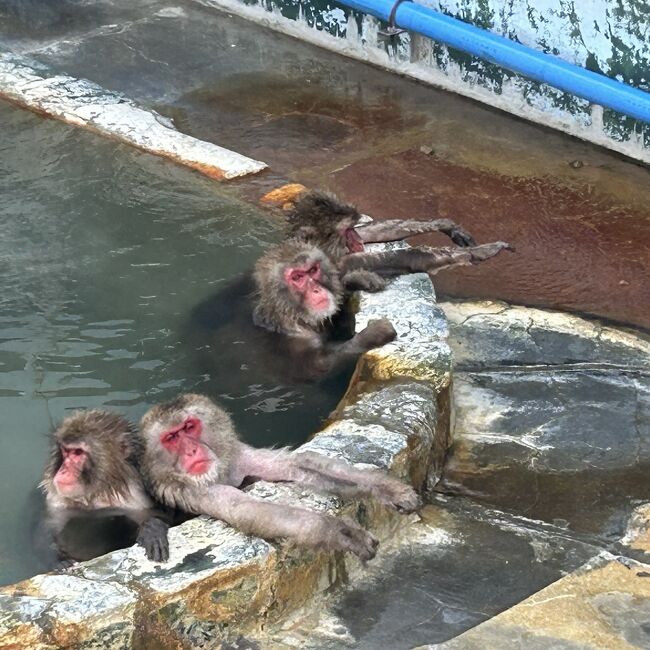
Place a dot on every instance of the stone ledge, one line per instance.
(83, 103)
(606, 604)
(220, 584)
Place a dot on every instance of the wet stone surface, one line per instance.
(459, 566)
(606, 604)
(552, 416)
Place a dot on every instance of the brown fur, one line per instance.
(319, 219)
(276, 307)
(114, 454)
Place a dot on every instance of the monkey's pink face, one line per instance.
(353, 241)
(306, 282)
(67, 479)
(184, 441)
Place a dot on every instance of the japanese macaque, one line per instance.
(334, 227)
(298, 291)
(95, 498)
(194, 461)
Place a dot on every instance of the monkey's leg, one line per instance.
(327, 474)
(420, 259)
(272, 520)
(397, 229)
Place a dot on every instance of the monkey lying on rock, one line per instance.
(194, 461)
(95, 499)
(322, 221)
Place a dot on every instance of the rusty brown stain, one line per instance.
(577, 249)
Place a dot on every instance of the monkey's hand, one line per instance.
(344, 535)
(152, 536)
(397, 495)
(377, 333)
(458, 235)
(362, 280)
(64, 564)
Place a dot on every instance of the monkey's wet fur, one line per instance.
(195, 461)
(95, 500)
(300, 284)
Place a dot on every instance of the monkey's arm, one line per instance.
(271, 520)
(328, 474)
(419, 259)
(397, 229)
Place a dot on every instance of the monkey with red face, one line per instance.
(95, 499)
(298, 292)
(334, 227)
(194, 461)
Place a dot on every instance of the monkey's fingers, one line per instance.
(357, 540)
(64, 565)
(153, 538)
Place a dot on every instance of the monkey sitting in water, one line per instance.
(194, 461)
(322, 221)
(95, 499)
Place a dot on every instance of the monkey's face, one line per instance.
(309, 281)
(69, 480)
(183, 441)
(189, 440)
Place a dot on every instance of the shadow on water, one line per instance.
(105, 253)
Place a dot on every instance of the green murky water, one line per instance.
(103, 254)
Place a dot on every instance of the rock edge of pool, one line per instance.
(220, 584)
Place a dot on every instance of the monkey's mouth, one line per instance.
(200, 466)
(353, 241)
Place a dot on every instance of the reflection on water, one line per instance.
(104, 253)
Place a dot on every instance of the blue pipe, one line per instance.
(511, 55)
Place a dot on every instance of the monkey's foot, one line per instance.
(348, 536)
(486, 251)
(399, 496)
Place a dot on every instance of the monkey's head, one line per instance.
(93, 460)
(188, 441)
(325, 222)
(297, 287)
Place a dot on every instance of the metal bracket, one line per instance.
(391, 31)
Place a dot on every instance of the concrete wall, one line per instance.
(606, 36)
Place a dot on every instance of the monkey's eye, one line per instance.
(297, 276)
(171, 436)
(314, 270)
(77, 451)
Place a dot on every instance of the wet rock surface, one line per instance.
(459, 566)
(605, 604)
(552, 416)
